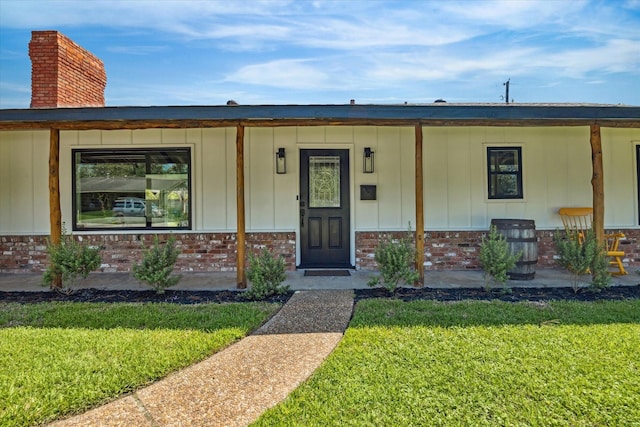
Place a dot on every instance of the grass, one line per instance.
(61, 358)
(477, 363)
(95, 214)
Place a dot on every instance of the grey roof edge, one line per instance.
(437, 111)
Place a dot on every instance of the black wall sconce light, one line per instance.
(281, 161)
(368, 160)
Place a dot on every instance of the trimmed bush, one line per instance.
(495, 258)
(396, 262)
(157, 265)
(266, 273)
(70, 260)
(582, 258)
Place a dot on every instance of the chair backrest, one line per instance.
(576, 221)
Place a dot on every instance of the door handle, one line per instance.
(302, 217)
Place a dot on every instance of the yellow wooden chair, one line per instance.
(611, 242)
(577, 221)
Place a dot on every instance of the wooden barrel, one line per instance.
(521, 237)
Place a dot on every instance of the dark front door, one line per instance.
(324, 208)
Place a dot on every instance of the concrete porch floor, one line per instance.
(31, 282)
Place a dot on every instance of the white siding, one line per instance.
(435, 174)
(388, 158)
(24, 182)
(270, 198)
(213, 167)
(367, 212)
(394, 178)
(260, 178)
(620, 180)
(285, 185)
(556, 167)
(214, 184)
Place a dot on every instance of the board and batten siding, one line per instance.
(212, 163)
(556, 164)
(556, 167)
(393, 176)
(620, 177)
(24, 182)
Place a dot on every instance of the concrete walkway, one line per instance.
(234, 386)
(29, 282)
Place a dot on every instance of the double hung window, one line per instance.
(132, 189)
(504, 169)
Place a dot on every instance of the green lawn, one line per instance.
(95, 214)
(62, 358)
(477, 364)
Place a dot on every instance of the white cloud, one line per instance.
(234, 49)
(614, 56)
(632, 4)
(510, 13)
(353, 26)
(162, 15)
(18, 95)
(15, 87)
(379, 33)
(290, 74)
(137, 50)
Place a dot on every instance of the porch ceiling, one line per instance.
(440, 114)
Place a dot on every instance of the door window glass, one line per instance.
(324, 181)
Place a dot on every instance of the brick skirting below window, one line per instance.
(201, 252)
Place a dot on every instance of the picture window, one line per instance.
(132, 189)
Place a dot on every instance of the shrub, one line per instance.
(266, 273)
(157, 265)
(582, 258)
(70, 260)
(396, 262)
(496, 259)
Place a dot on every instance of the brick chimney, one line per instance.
(64, 74)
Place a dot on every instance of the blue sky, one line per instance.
(329, 52)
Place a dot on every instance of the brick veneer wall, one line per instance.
(200, 252)
(216, 251)
(64, 74)
(459, 250)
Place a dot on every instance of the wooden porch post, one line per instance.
(240, 238)
(55, 215)
(419, 207)
(597, 182)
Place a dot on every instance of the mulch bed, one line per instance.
(100, 295)
(405, 294)
(513, 295)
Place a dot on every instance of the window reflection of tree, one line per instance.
(504, 173)
(161, 177)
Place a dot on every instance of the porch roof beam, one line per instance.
(186, 124)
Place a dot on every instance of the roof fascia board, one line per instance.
(292, 115)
